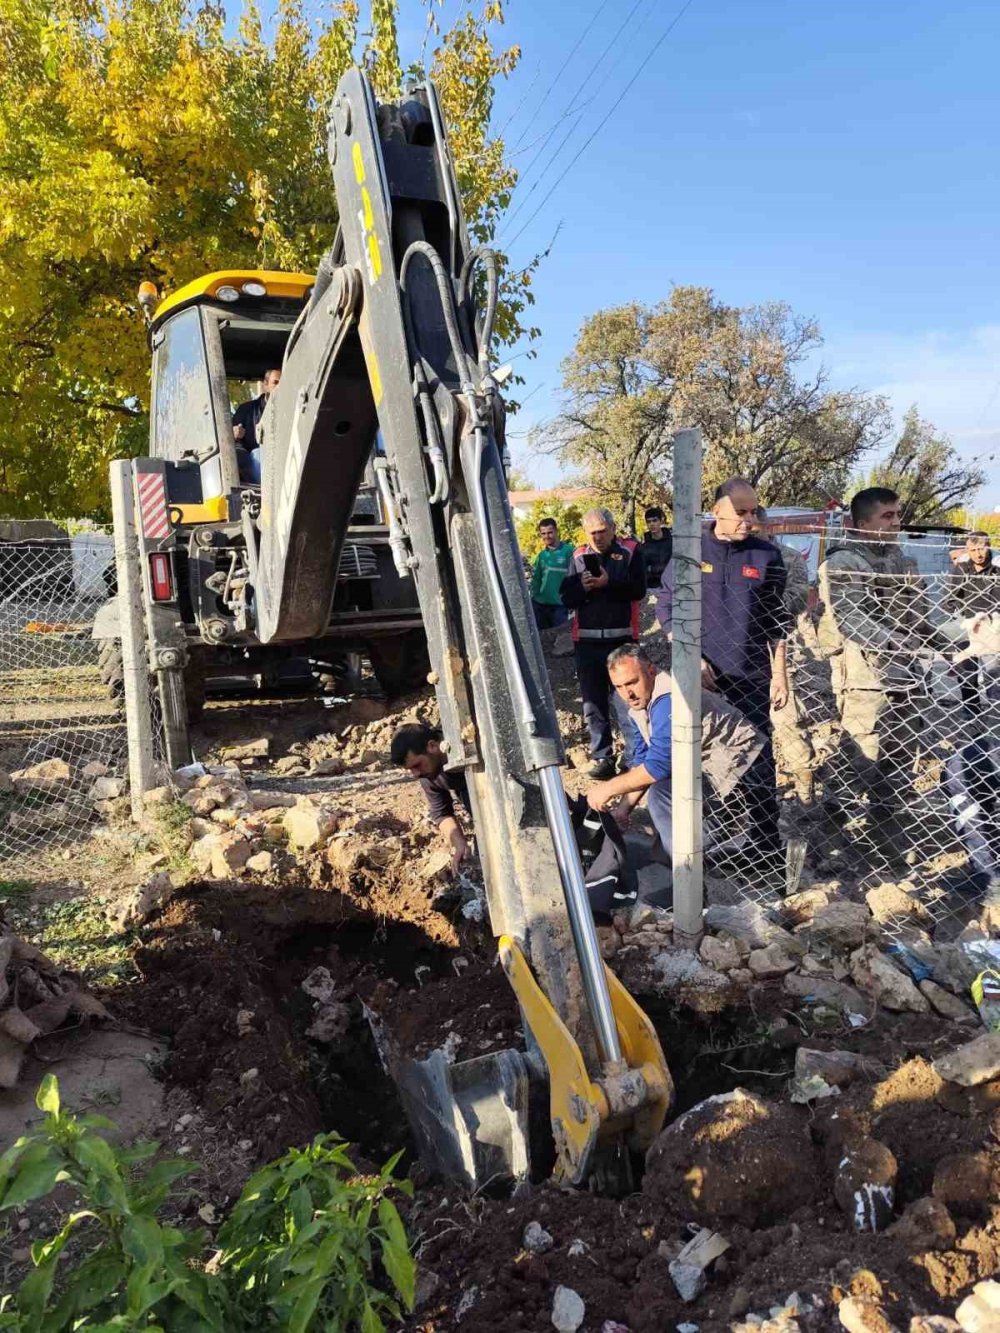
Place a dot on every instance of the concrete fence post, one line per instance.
(132, 625)
(686, 691)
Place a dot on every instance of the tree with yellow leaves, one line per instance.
(139, 139)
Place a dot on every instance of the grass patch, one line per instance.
(75, 934)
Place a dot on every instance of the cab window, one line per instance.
(183, 419)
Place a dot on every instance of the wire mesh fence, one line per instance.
(62, 733)
(882, 768)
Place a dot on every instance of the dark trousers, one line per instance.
(549, 617)
(972, 781)
(753, 699)
(599, 697)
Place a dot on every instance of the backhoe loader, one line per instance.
(382, 474)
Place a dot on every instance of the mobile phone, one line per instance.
(592, 564)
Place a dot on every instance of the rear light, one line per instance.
(161, 577)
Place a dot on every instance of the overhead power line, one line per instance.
(562, 68)
(597, 129)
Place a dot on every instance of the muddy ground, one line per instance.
(254, 989)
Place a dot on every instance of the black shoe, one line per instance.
(602, 770)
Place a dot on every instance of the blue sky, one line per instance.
(839, 157)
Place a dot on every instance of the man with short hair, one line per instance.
(603, 589)
(730, 747)
(417, 748)
(743, 628)
(550, 568)
(657, 545)
(875, 621)
(246, 420)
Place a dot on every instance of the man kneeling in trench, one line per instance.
(417, 748)
(730, 744)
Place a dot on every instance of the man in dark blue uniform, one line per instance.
(743, 628)
(246, 419)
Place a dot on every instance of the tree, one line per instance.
(639, 373)
(568, 516)
(140, 140)
(933, 483)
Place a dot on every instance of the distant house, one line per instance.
(522, 501)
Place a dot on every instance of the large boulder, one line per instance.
(734, 1158)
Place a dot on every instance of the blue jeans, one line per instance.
(548, 616)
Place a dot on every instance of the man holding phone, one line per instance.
(603, 589)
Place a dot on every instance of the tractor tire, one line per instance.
(109, 664)
(400, 662)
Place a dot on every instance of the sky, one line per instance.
(840, 157)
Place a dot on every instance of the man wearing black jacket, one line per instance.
(603, 589)
(246, 419)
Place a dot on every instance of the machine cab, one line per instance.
(212, 342)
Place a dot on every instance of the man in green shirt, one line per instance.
(550, 568)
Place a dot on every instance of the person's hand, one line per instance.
(598, 796)
(459, 850)
(708, 680)
(779, 690)
(622, 815)
(594, 582)
(238, 432)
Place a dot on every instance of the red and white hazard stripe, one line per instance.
(153, 505)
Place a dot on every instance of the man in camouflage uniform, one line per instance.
(874, 623)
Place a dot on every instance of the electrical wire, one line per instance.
(604, 120)
(562, 68)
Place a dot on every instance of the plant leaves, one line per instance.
(36, 1174)
(396, 1257)
(47, 1096)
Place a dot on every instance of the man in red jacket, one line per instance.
(603, 589)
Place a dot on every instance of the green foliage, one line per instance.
(303, 1238)
(136, 1273)
(931, 479)
(144, 139)
(568, 516)
(76, 935)
(639, 373)
(304, 1249)
(973, 522)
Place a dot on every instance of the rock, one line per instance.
(257, 749)
(201, 851)
(799, 908)
(468, 1300)
(346, 855)
(966, 1183)
(224, 817)
(331, 767)
(925, 1225)
(436, 866)
(608, 939)
(771, 961)
(656, 880)
(568, 1310)
(320, 985)
(536, 1240)
(143, 901)
(976, 1062)
(330, 1023)
(157, 797)
(723, 955)
(859, 1314)
(289, 766)
(739, 1303)
(260, 863)
(944, 1003)
(983, 1099)
(934, 1323)
(872, 972)
(741, 976)
(426, 1287)
(980, 1312)
(94, 769)
(271, 800)
(836, 994)
(749, 923)
(46, 774)
(309, 825)
(230, 852)
(837, 1067)
(203, 800)
(894, 902)
(681, 971)
(865, 1185)
(953, 968)
(840, 925)
(734, 1158)
(689, 1279)
(364, 710)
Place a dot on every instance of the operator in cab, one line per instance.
(246, 420)
(417, 748)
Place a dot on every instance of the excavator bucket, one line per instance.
(471, 1119)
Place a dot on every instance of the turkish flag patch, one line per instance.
(749, 572)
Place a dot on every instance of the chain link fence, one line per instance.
(63, 749)
(883, 771)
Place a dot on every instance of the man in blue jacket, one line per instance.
(743, 628)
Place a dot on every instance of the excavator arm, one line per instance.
(393, 352)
